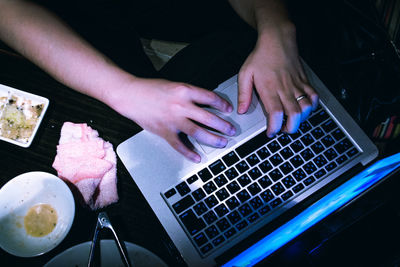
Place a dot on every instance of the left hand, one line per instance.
(274, 69)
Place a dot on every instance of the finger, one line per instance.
(205, 97)
(312, 95)
(293, 112)
(245, 91)
(179, 146)
(202, 135)
(211, 120)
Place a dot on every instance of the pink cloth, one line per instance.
(89, 163)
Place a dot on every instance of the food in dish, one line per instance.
(89, 163)
(40, 220)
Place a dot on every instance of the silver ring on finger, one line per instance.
(300, 97)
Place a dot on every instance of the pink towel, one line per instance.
(89, 163)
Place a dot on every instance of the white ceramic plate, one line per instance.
(78, 256)
(6, 91)
(18, 196)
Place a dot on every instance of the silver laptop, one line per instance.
(210, 207)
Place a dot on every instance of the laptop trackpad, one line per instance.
(242, 122)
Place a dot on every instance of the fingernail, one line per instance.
(196, 158)
(232, 132)
(229, 109)
(222, 142)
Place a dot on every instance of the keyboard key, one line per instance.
(232, 203)
(256, 203)
(222, 194)
(200, 239)
(204, 175)
(352, 152)
(183, 188)
(307, 139)
(286, 168)
(308, 181)
(253, 144)
(296, 161)
(265, 166)
(243, 195)
(218, 240)
(264, 210)
(211, 232)
(317, 133)
(223, 224)
(242, 166)
(299, 175)
(317, 148)
(183, 204)
(267, 195)
(328, 140)
(320, 161)
(244, 180)
(330, 154)
(263, 153)
(221, 210)
(192, 179)
(319, 173)
(288, 181)
(230, 158)
(234, 217)
(220, 180)
(241, 225)
(265, 182)
(254, 189)
(275, 175)
(297, 146)
(198, 194)
(252, 160)
(276, 159)
(298, 188)
(319, 117)
(341, 159)
(329, 125)
(253, 217)
(273, 146)
(233, 187)
(254, 173)
(209, 187)
(309, 168)
(284, 139)
(200, 208)
(206, 248)
(275, 202)
(337, 134)
(278, 188)
(217, 167)
(307, 154)
(170, 193)
(286, 152)
(285, 196)
(191, 222)
(210, 217)
(305, 127)
(245, 210)
(231, 173)
(211, 201)
(331, 166)
(230, 233)
(343, 145)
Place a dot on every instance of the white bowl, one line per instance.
(18, 196)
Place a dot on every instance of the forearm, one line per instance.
(45, 40)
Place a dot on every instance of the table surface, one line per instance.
(131, 216)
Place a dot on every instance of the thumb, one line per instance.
(245, 91)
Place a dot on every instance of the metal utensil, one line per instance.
(104, 222)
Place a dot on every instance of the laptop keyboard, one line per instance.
(237, 190)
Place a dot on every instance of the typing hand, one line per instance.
(274, 69)
(169, 108)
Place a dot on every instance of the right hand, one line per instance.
(168, 108)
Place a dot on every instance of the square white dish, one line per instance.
(23, 97)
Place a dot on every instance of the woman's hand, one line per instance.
(170, 108)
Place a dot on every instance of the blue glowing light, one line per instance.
(316, 212)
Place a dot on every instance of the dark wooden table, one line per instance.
(131, 216)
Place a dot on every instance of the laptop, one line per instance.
(211, 208)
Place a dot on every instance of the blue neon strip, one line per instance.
(316, 212)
